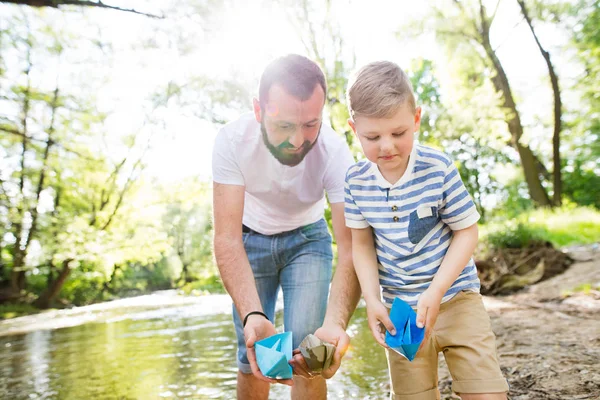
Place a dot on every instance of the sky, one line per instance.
(238, 40)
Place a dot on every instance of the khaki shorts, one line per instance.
(464, 334)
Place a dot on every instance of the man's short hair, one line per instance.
(297, 74)
(378, 90)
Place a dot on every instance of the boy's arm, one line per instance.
(456, 259)
(367, 271)
(365, 263)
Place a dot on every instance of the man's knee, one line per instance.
(313, 389)
(251, 388)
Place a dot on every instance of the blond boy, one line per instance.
(414, 229)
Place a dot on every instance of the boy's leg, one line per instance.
(258, 249)
(305, 281)
(464, 333)
(416, 379)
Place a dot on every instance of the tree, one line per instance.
(187, 220)
(324, 43)
(468, 24)
(557, 178)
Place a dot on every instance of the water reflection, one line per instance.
(171, 353)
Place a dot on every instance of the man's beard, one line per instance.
(289, 159)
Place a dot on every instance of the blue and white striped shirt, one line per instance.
(412, 221)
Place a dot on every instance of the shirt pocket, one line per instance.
(421, 222)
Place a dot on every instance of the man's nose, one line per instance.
(297, 138)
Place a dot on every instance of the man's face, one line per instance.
(290, 127)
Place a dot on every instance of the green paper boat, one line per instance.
(317, 354)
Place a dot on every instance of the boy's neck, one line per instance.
(395, 175)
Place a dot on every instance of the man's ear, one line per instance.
(257, 111)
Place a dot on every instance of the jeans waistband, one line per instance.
(246, 229)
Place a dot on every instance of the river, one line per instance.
(158, 346)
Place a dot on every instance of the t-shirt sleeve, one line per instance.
(457, 209)
(335, 173)
(352, 214)
(225, 168)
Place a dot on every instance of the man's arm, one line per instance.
(235, 270)
(236, 273)
(345, 289)
(343, 297)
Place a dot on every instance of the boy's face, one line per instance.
(388, 142)
(290, 126)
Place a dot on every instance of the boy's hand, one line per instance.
(378, 315)
(258, 328)
(428, 308)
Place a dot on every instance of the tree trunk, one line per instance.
(185, 278)
(47, 297)
(557, 176)
(17, 281)
(107, 286)
(500, 80)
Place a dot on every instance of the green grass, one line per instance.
(561, 227)
(584, 288)
(8, 311)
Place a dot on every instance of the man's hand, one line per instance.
(257, 328)
(330, 333)
(428, 308)
(378, 315)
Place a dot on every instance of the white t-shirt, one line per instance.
(280, 198)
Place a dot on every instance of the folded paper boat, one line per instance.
(273, 354)
(408, 336)
(317, 354)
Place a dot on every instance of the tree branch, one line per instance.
(83, 3)
(29, 138)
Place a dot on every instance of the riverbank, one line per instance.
(548, 335)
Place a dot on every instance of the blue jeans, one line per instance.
(298, 261)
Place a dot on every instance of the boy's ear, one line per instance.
(352, 125)
(418, 117)
(256, 109)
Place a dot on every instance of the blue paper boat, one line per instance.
(408, 336)
(273, 354)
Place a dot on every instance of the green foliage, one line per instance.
(562, 227)
(210, 284)
(581, 184)
(82, 288)
(513, 236)
(8, 311)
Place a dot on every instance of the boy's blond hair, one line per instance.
(378, 90)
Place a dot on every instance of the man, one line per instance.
(271, 170)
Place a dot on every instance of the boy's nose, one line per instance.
(386, 145)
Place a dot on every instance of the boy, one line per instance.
(413, 232)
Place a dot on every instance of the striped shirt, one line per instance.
(412, 221)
